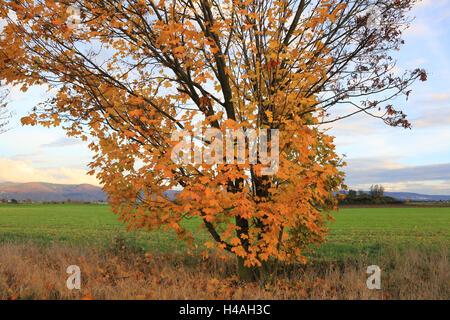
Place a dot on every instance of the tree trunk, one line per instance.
(245, 273)
(251, 274)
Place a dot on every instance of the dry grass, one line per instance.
(28, 271)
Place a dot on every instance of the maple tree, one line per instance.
(127, 74)
(4, 113)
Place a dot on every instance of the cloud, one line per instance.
(42, 91)
(433, 99)
(432, 120)
(368, 164)
(424, 187)
(358, 124)
(423, 3)
(343, 128)
(434, 115)
(420, 29)
(363, 172)
(26, 171)
(36, 157)
(62, 142)
(443, 97)
(426, 3)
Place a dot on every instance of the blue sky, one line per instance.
(416, 160)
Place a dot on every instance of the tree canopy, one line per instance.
(128, 74)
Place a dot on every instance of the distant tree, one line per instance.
(4, 113)
(381, 191)
(377, 191)
(361, 192)
(351, 194)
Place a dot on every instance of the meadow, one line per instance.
(410, 244)
(355, 230)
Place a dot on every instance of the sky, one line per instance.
(416, 160)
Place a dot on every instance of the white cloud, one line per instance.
(426, 3)
(26, 171)
(423, 3)
(434, 116)
(363, 172)
(420, 29)
(437, 187)
(63, 142)
(443, 97)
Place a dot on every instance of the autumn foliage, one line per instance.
(126, 75)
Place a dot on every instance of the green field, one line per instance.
(356, 230)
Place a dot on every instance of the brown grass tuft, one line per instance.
(29, 271)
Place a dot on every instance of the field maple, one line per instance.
(5, 115)
(126, 75)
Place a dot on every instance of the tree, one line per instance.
(351, 194)
(377, 191)
(4, 113)
(128, 74)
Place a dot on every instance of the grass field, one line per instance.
(355, 230)
(38, 242)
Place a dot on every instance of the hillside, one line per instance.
(416, 196)
(41, 191)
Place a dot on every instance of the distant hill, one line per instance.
(41, 191)
(416, 196)
(403, 196)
